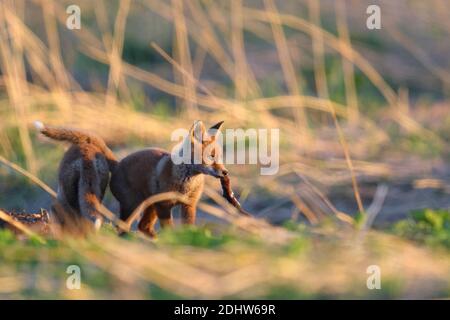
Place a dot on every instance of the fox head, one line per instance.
(201, 150)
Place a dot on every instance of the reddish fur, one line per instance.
(88, 142)
(148, 172)
(83, 175)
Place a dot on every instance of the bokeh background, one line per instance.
(364, 138)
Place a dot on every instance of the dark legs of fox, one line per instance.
(149, 218)
(188, 213)
(164, 213)
(89, 193)
(148, 221)
(68, 219)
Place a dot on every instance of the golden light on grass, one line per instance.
(38, 81)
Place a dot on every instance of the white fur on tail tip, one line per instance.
(98, 224)
(39, 125)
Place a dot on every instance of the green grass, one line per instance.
(48, 262)
(202, 248)
(428, 227)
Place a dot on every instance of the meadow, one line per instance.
(364, 176)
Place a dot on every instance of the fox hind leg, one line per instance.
(148, 221)
(89, 193)
(166, 222)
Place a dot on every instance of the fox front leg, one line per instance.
(147, 223)
(188, 213)
(165, 216)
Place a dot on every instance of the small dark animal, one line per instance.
(228, 194)
(83, 175)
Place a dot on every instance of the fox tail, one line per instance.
(77, 137)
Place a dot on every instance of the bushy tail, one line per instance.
(78, 138)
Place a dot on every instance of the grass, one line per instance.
(347, 125)
(196, 262)
(428, 227)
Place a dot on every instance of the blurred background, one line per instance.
(363, 114)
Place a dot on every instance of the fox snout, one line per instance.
(220, 170)
(220, 173)
(215, 171)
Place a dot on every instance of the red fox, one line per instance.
(83, 175)
(152, 171)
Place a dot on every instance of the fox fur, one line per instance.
(83, 175)
(152, 171)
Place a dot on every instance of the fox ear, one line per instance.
(197, 130)
(215, 129)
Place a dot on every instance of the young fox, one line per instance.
(83, 175)
(152, 171)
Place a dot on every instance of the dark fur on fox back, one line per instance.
(83, 175)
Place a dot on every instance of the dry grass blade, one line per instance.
(337, 44)
(182, 70)
(20, 226)
(340, 215)
(254, 64)
(266, 231)
(347, 66)
(162, 269)
(287, 67)
(303, 208)
(238, 49)
(375, 207)
(184, 56)
(322, 89)
(12, 65)
(115, 79)
(29, 175)
(173, 196)
(201, 31)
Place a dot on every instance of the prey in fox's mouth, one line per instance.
(152, 171)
